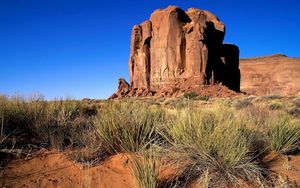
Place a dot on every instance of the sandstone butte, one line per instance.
(177, 51)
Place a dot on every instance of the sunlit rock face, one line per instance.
(271, 75)
(175, 48)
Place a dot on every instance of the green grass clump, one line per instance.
(203, 98)
(59, 123)
(62, 124)
(275, 106)
(16, 114)
(190, 95)
(284, 134)
(145, 168)
(127, 127)
(215, 140)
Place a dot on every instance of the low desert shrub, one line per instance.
(296, 102)
(294, 111)
(269, 97)
(275, 106)
(243, 103)
(203, 98)
(190, 95)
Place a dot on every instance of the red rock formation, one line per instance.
(175, 49)
(123, 89)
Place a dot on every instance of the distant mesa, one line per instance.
(270, 75)
(177, 51)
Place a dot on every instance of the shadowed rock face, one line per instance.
(177, 48)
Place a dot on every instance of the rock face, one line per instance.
(123, 89)
(178, 49)
(271, 75)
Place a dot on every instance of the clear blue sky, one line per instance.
(79, 48)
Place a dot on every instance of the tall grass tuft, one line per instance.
(145, 168)
(217, 141)
(127, 127)
(284, 134)
(59, 123)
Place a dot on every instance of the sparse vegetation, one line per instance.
(127, 127)
(284, 134)
(203, 98)
(294, 111)
(145, 168)
(275, 106)
(58, 124)
(243, 103)
(212, 142)
(215, 140)
(190, 95)
(296, 101)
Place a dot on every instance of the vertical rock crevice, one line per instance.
(182, 65)
(146, 51)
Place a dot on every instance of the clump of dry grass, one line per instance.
(145, 168)
(284, 134)
(282, 182)
(16, 114)
(217, 141)
(62, 124)
(58, 123)
(275, 106)
(243, 103)
(127, 126)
